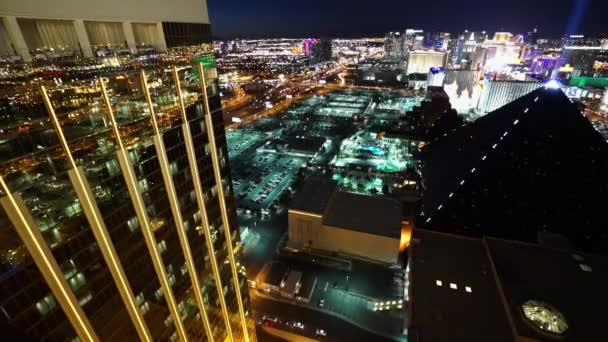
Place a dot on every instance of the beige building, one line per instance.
(31, 29)
(323, 218)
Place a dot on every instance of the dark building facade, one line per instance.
(533, 165)
(321, 51)
(121, 223)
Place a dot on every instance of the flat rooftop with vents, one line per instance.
(367, 227)
(470, 289)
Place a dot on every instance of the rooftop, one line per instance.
(573, 283)
(443, 313)
(314, 195)
(368, 214)
(458, 284)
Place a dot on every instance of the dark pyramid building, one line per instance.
(534, 165)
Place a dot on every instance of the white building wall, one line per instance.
(305, 228)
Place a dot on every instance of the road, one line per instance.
(337, 329)
(280, 96)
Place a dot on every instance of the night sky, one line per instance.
(353, 18)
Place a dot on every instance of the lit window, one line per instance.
(453, 286)
(168, 321)
(162, 246)
(46, 304)
(439, 283)
(173, 168)
(585, 268)
(468, 289)
(139, 300)
(132, 224)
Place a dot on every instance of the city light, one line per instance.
(553, 84)
(168, 173)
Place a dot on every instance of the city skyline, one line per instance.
(234, 19)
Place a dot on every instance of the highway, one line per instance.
(279, 96)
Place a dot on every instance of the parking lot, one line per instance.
(240, 141)
(268, 178)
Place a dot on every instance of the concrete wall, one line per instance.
(187, 11)
(305, 227)
(380, 248)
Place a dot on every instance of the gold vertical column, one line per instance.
(161, 152)
(94, 217)
(198, 190)
(30, 234)
(143, 218)
(220, 190)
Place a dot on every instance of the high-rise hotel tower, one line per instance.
(117, 216)
(117, 220)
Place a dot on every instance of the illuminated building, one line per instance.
(308, 46)
(600, 66)
(414, 39)
(502, 36)
(321, 51)
(420, 62)
(373, 71)
(469, 289)
(501, 51)
(468, 52)
(533, 165)
(437, 40)
(532, 37)
(582, 53)
(118, 221)
(496, 94)
(321, 217)
(97, 28)
(394, 46)
(545, 65)
(436, 77)
(464, 90)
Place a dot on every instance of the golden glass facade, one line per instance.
(123, 226)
